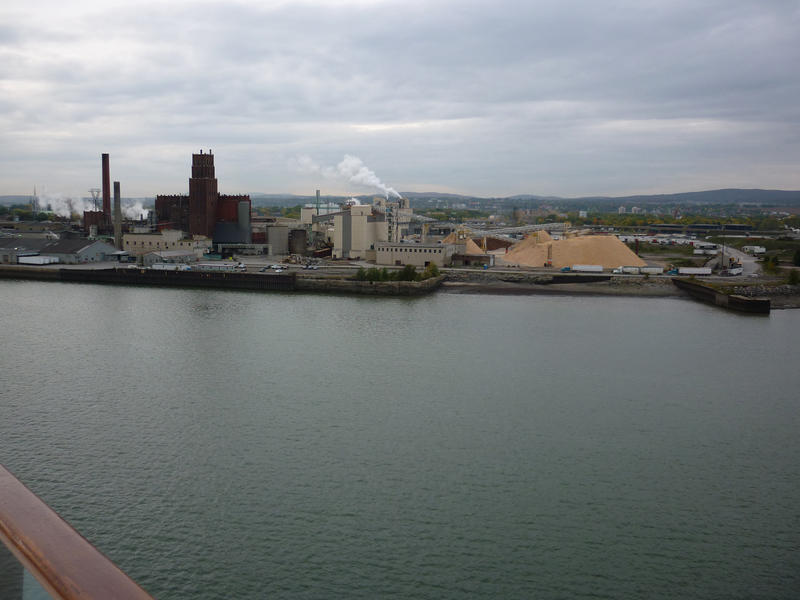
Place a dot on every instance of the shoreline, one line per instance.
(466, 282)
(632, 289)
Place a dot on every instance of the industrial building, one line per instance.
(356, 230)
(205, 212)
(66, 251)
(166, 239)
(410, 253)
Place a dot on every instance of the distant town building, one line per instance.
(583, 214)
(621, 210)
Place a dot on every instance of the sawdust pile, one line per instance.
(470, 247)
(606, 250)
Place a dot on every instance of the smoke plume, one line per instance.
(63, 206)
(134, 210)
(351, 169)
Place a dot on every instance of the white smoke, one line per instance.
(63, 206)
(353, 202)
(66, 207)
(135, 210)
(351, 169)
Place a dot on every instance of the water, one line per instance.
(244, 445)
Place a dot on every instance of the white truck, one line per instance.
(651, 270)
(587, 268)
(694, 271)
(626, 270)
(37, 260)
(170, 267)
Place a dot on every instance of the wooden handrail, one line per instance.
(62, 560)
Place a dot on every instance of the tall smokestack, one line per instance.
(117, 217)
(317, 202)
(106, 189)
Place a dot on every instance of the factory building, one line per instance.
(419, 255)
(167, 239)
(309, 211)
(356, 230)
(205, 212)
(79, 250)
(67, 251)
(398, 215)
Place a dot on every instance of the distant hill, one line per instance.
(15, 199)
(723, 196)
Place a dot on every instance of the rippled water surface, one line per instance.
(243, 445)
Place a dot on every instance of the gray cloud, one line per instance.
(479, 97)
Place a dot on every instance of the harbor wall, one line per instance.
(285, 282)
(710, 295)
(370, 288)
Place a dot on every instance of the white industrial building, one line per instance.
(166, 239)
(409, 253)
(358, 228)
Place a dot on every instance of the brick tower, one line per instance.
(202, 195)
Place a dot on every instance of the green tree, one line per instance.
(408, 273)
(430, 271)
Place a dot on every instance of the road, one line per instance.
(750, 266)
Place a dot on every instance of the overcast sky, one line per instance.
(487, 98)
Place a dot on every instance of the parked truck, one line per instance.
(694, 271)
(651, 270)
(627, 270)
(587, 268)
(37, 260)
(170, 267)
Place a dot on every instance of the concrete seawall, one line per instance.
(370, 288)
(283, 282)
(706, 293)
(37, 273)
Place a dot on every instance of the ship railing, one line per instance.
(45, 554)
